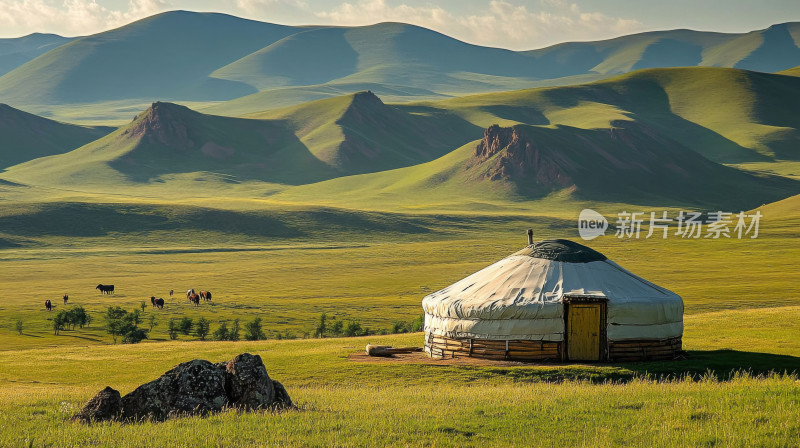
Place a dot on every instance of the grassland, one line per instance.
(368, 247)
(346, 403)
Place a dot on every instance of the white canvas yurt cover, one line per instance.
(521, 297)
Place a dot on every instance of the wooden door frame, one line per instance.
(603, 340)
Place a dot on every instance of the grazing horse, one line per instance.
(66, 298)
(153, 301)
(205, 295)
(170, 293)
(189, 292)
(48, 305)
(159, 303)
(105, 289)
(194, 298)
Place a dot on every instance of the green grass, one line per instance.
(342, 401)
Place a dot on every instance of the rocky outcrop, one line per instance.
(509, 154)
(196, 387)
(106, 405)
(246, 382)
(164, 123)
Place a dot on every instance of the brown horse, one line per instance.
(48, 304)
(205, 295)
(66, 298)
(194, 298)
(170, 292)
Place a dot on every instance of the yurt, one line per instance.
(554, 300)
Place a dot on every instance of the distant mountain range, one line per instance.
(17, 51)
(655, 136)
(187, 56)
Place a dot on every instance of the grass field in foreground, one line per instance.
(346, 403)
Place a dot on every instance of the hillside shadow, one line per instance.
(778, 51)
(669, 53)
(720, 364)
(647, 102)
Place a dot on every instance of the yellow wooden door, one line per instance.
(583, 334)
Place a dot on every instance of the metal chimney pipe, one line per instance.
(530, 237)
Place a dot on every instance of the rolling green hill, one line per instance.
(393, 53)
(26, 136)
(316, 141)
(169, 55)
(794, 71)
(651, 137)
(769, 50)
(189, 56)
(727, 115)
(17, 51)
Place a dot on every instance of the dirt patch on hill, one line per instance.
(422, 358)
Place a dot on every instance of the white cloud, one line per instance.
(70, 17)
(512, 24)
(503, 23)
(272, 9)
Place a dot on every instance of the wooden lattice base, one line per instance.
(520, 350)
(515, 350)
(644, 349)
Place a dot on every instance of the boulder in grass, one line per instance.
(282, 399)
(196, 387)
(106, 405)
(247, 383)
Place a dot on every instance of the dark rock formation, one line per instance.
(516, 157)
(105, 405)
(282, 399)
(165, 123)
(196, 387)
(247, 383)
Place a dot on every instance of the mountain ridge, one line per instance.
(156, 58)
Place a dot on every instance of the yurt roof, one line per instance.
(562, 250)
(543, 273)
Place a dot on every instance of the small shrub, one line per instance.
(322, 327)
(337, 328)
(202, 328)
(186, 326)
(233, 335)
(253, 331)
(353, 329)
(172, 329)
(221, 333)
(18, 326)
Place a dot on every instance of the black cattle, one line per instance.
(66, 298)
(159, 303)
(194, 298)
(105, 289)
(205, 295)
(48, 305)
(153, 301)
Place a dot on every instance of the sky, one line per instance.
(514, 24)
